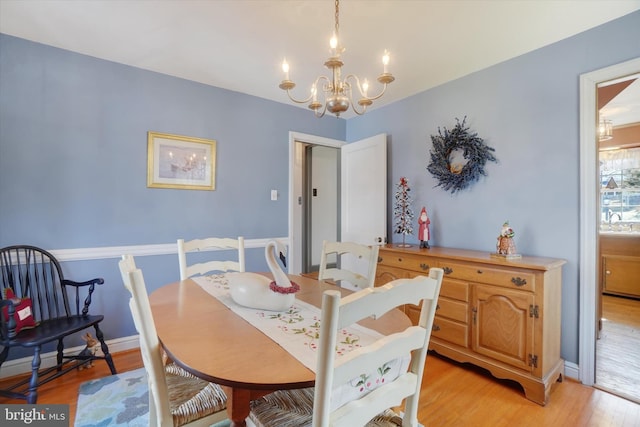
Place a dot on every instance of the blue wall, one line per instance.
(73, 158)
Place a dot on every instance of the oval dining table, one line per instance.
(205, 337)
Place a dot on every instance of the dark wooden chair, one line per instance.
(31, 272)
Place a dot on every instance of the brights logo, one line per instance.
(36, 415)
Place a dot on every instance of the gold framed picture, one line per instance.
(180, 162)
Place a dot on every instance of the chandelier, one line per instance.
(605, 130)
(338, 93)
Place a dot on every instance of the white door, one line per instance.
(363, 207)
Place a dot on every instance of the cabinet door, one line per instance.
(501, 325)
(620, 275)
(386, 274)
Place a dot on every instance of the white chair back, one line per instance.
(176, 397)
(150, 348)
(210, 244)
(357, 264)
(340, 312)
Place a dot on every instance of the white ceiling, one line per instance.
(239, 44)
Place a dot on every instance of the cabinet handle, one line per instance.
(518, 281)
(424, 266)
(479, 272)
(448, 270)
(608, 272)
(474, 310)
(435, 328)
(437, 307)
(379, 259)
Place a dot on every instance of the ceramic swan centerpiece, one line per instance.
(257, 291)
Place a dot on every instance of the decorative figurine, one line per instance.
(88, 352)
(423, 228)
(254, 290)
(505, 246)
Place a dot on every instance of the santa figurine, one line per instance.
(505, 244)
(423, 228)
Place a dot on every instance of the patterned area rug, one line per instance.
(116, 400)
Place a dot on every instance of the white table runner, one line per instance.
(297, 331)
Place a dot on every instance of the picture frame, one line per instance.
(180, 162)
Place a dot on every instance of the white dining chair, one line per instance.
(361, 261)
(176, 397)
(313, 406)
(210, 244)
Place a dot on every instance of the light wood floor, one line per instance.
(452, 395)
(618, 348)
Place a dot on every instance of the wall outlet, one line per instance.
(274, 194)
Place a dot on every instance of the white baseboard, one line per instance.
(22, 366)
(571, 370)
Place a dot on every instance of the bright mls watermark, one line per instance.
(52, 415)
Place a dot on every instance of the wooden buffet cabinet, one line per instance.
(502, 315)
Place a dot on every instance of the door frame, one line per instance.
(297, 141)
(589, 220)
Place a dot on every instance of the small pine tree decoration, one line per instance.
(402, 212)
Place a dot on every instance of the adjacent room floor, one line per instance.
(618, 349)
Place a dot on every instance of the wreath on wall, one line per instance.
(459, 175)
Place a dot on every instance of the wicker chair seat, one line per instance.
(294, 408)
(190, 397)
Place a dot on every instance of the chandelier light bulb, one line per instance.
(365, 88)
(385, 61)
(285, 68)
(333, 42)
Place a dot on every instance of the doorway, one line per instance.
(321, 204)
(618, 344)
(590, 213)
(298, 145)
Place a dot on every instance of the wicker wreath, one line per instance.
(458, 176)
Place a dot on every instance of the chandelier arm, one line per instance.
(298, 101)
(355, 109)
(304, 101)
(370, 98)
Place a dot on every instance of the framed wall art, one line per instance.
(181, 162)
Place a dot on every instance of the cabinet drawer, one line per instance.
(513, 279)
(454, 310)
(448, 330)
(455, 289)
(418, 263)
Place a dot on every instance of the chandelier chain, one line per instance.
(337, 17)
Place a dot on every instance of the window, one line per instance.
(620, 189)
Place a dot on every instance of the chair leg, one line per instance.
(105, 349)
(59, 357)
(32, 397)
(4, 355)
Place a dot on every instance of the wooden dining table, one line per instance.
(205, 337)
